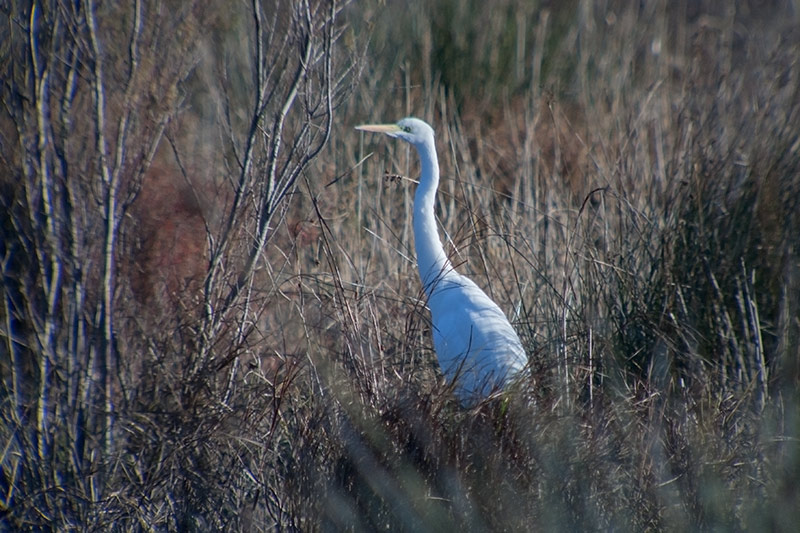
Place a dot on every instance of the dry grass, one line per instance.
(623, 182)
(618, 211)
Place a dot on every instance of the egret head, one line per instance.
(412, 130)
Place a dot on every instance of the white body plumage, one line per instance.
(476, 346)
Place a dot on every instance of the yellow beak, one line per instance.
(380, 128)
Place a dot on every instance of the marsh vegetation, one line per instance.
(211, 317)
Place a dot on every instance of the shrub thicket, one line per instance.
(211, 313)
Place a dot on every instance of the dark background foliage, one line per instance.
(211, 318)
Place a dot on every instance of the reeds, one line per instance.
(622, 179)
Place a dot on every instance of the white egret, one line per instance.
(476, 346)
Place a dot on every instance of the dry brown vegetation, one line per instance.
(211, 317)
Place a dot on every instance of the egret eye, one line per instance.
(407, 129)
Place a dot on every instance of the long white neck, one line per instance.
(431, 259)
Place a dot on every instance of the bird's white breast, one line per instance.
(474, 341)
